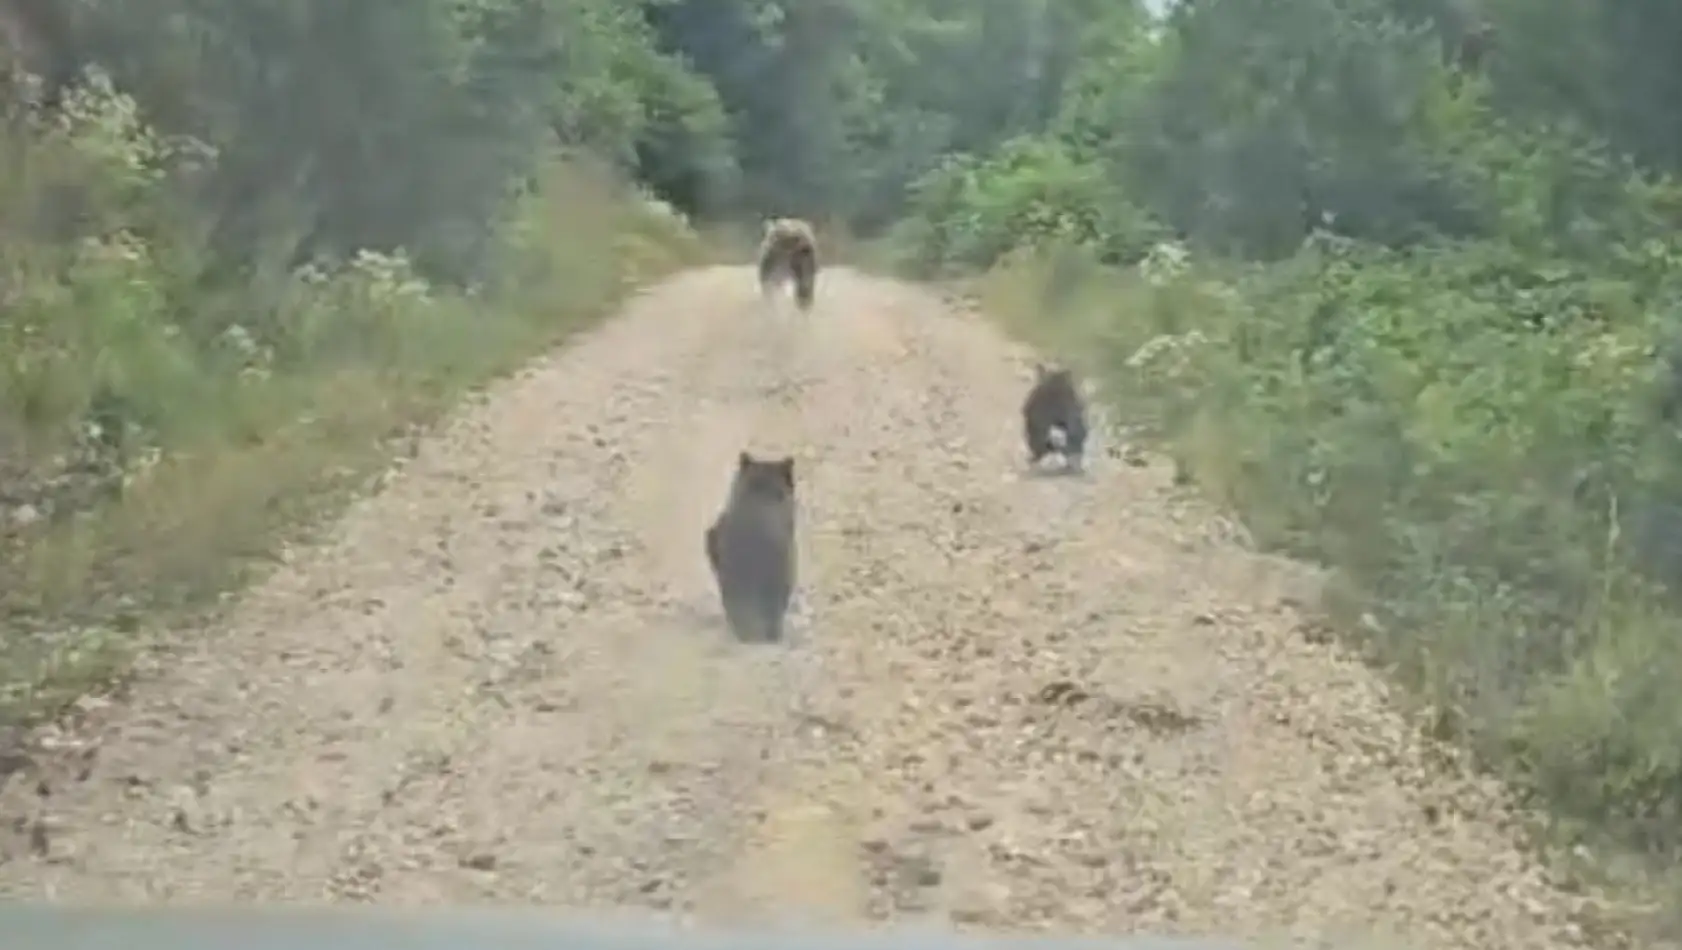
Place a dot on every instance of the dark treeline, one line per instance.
(1234, 123)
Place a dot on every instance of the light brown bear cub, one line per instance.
(789, 251)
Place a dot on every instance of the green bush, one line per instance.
(159, 428)
(1416, 332)
(1468, 436)
(968, 212)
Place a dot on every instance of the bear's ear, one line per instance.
(1041, 371)
(743, 459)
(770, 225)
(785, 469)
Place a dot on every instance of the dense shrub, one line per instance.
(157, 428)
(1419, 323)
(970, 211)
(1470, 439)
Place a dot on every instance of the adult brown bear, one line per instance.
(789, 251)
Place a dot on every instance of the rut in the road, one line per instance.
(1016, 703)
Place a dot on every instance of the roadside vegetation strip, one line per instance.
(1199, 360)
(264, 431)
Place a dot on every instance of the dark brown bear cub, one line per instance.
(1054, 417)
(751, 548)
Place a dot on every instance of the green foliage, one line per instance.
(388, 124)
(1467, 435)
(969, 211)
(170, 404)
(836, 107)
(1419, 323)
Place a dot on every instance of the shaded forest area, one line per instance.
(1395, 279)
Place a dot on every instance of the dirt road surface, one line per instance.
(1010, 702)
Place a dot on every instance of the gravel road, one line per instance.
(1011, 702)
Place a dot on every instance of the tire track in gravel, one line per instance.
(1015, 703)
